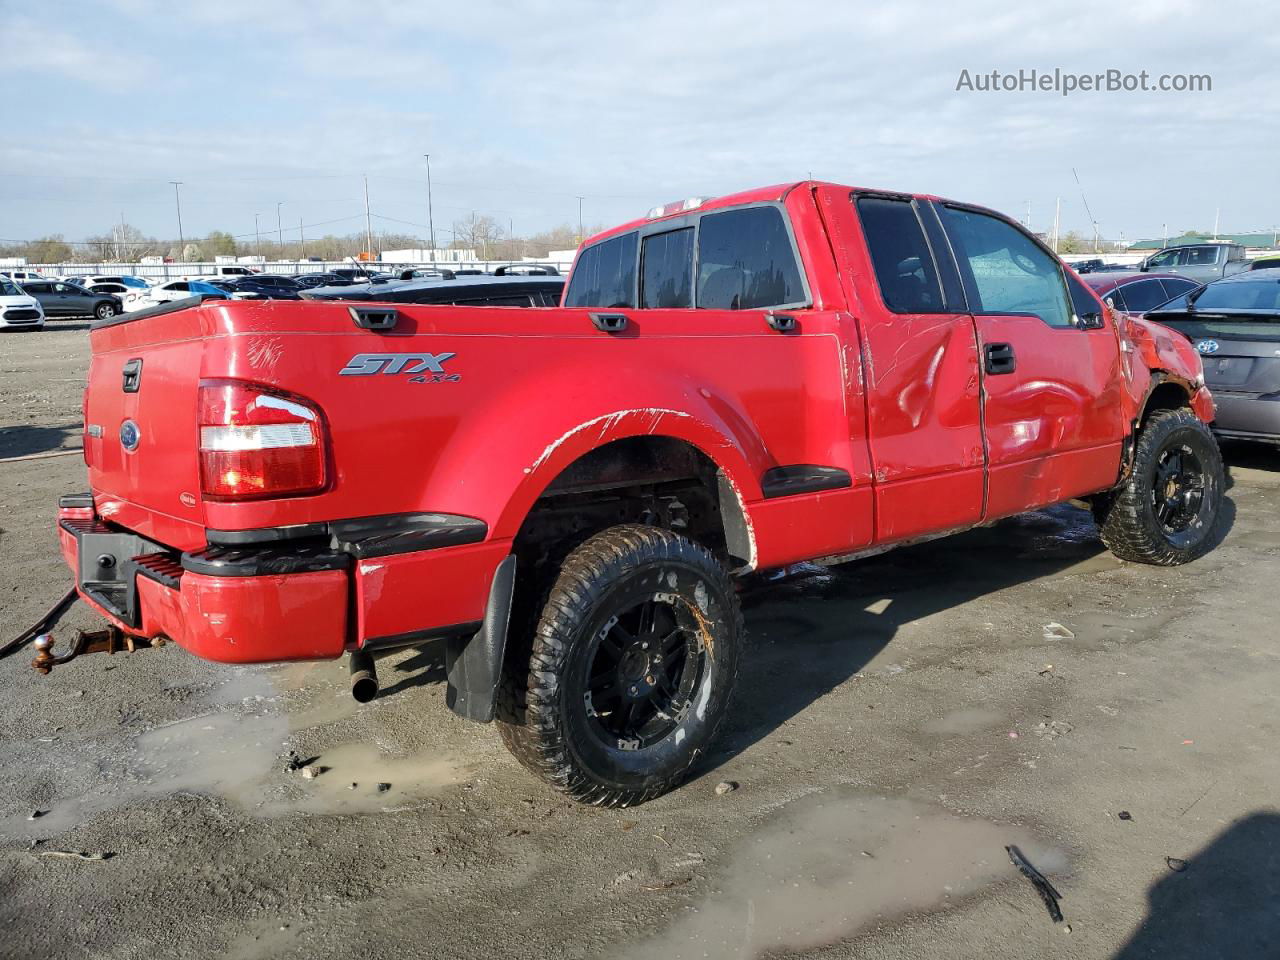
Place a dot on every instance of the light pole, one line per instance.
(177, 199)
(257, 238)
(279, 230)
(431, 222)
(580, 236)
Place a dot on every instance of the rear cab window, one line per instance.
(740, 258)
(666, 270)
(746, 261)
(605, 275)
(905, 270)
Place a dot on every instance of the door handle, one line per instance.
(998, 358)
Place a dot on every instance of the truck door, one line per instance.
(920, 356)
(1051, 382)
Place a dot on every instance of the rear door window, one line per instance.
(1176, 288)
(1202, 256)
(1005, 271)
(903, 262)
(666, 270)
(1143, 295)
(605, 275)
(746, 261)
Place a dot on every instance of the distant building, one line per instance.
(1255, 241)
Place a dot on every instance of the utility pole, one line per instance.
(279, 229)
(178, 202)
(1027, 222)
(1216, 212)
(1165, 242)
(580, 236)
(257, 238)
(431, 220)
(1057, 216)
(302, 241)
(368, 220)
(120, 244)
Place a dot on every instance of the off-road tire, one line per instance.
(544, 714)
(1127, 518)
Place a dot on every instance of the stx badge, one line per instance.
(417, 365)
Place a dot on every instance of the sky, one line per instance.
(525, 107)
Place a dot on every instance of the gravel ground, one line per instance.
(900, 721)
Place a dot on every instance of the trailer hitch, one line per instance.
(110, 640)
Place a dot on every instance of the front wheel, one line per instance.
(105, 311)
(632, 664)
(1166, 510)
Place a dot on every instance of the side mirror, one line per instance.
(1109, 302)
(1090, 321)
(1145, 266)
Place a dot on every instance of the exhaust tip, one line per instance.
(364, 677)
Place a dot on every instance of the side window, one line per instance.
(903, 263)
(605, 275)
(1170, 258)
(1005, 270)
(1144, 295)
(666, 269)
(1202, 256)
(1235, 253)
(36, 287)
(1116, 297)
(1176, 288)
(745, 261)
(180, 286)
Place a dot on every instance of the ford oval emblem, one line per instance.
(1207, 347)
(129, 435)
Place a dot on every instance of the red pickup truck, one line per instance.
(563, 496)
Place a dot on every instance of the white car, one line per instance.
(20, 276)
(172, 290)
(19, 310)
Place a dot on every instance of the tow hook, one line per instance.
(110, 640)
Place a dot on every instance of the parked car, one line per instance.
(1137, 293)
(264, 286)
(1235, 326)
(173, 290)
(22, 276)
(18, 309)
(563, 497)
(485, 291)
(326, 279)
(91, 280)
(1200, 262)
(1269, 262)
(60, 299)
(527, 270)
(360, 274)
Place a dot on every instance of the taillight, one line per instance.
(256, 442)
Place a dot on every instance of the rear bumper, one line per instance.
(1245, 416)
(277, 601)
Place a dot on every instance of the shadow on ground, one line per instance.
(23, 441)
(1225, 903)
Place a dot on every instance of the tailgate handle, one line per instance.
(374, 318)
(131, 375)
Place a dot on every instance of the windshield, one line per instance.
(8, 288)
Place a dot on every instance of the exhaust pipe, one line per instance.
(364, 676)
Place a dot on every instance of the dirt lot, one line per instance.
(900, 721)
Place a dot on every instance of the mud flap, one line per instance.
(474, 664)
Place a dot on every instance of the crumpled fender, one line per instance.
(1153, 354)
(512, 447)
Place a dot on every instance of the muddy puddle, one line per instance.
(830, 866)
(237, 751)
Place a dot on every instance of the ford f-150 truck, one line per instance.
(562, 497)
(1200, 262)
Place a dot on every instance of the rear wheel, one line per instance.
(630, 670)
(1166, 510)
